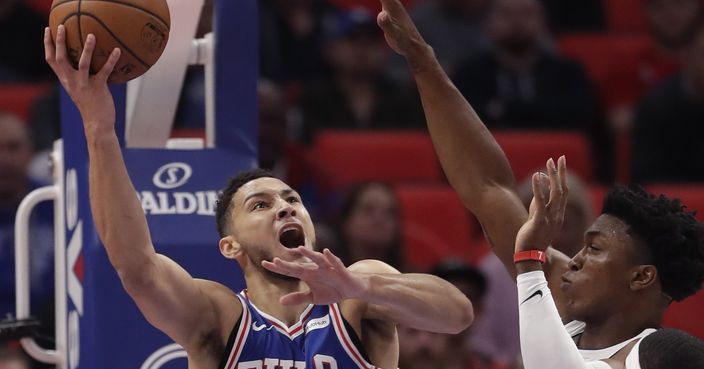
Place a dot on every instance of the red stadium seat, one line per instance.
(527, 151)
(687, 315)
(691, 195)
(626, 16)
(597, 52)
(340, 158)
(435, 225)
(18, 98)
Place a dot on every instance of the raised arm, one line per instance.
(545, 343)
(418, 301)
(167, 295)
(474, 163)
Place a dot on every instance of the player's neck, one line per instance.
(612, 330)
(265, 291)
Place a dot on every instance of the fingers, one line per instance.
(296, 298)
(314, 256)
(333, 259)
(537, 185)
(562, 173)
(109, 65)
(60, 45)
(555, 190)
(288, 268)
(49, 48)
(87, 55)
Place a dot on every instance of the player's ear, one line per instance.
(643, 276)
(230, 248)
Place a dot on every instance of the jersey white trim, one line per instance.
(633, 358)
(242, 334)
(345, 341)
(291, 332)
(610, 351)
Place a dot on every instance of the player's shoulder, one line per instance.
(224, 300)
(372, 266)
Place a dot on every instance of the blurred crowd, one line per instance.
(626, 75)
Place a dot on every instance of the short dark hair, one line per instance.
(674, 238)
(224, 202)
(671, 348)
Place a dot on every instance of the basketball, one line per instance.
(140, 28)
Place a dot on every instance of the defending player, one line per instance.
(302, 308)
(640, 255)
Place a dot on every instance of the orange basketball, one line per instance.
(140, 28)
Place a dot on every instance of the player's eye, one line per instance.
(292, 199)
(259, 205)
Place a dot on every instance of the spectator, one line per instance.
(369, 225)
(272, 128)
(356, 94)
(671, 23)
(518, 82)
(421, 350)
(453, 28)
(291, 39)
(496, 332)
(667, 144)
(15, 155)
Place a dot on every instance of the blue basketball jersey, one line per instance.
(321, 339)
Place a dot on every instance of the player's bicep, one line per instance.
(173, 301)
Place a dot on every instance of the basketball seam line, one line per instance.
(159, 18)
(122, 44)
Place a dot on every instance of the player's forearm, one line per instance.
(470, 157)
(420, 301)
(117, 213)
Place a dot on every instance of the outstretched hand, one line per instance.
(327, 278)
(546, 213)
(400, 32)
(89, 92)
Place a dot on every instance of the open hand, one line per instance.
(89, 92)
(328, 280)
(546, 213)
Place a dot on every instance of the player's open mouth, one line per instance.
(291, 236)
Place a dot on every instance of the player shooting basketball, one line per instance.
(642, 253)
(302, 308)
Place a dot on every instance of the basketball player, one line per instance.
(642, 253)
(302, 309)
(545, 342)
